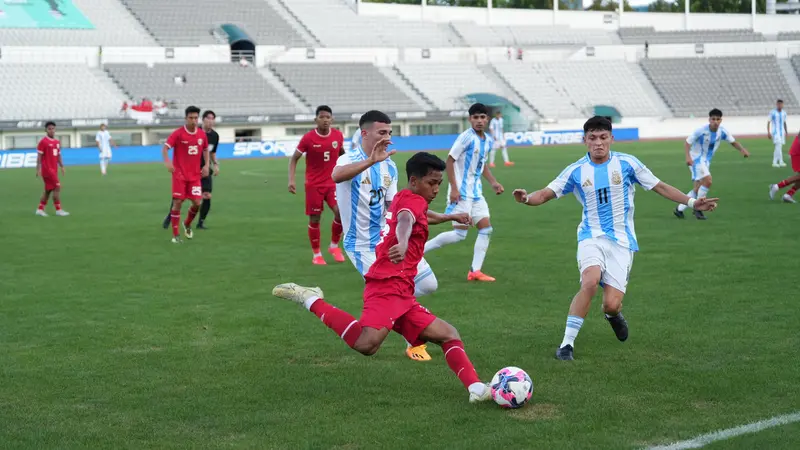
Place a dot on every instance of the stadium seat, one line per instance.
(640, 35)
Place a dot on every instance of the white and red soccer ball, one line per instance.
(511, 387)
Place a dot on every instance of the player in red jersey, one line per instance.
(389, 302)
(190, 143)
(322, 147)
(47, 165)
(794, 180)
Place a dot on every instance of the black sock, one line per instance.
(204, 208)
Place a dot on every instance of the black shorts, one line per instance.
(207, 183)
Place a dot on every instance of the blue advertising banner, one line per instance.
(14, 159)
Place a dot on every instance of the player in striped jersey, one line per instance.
(603, 181)
(700, 147)
(366, 183)
(465, 165)
(496, 130)
(776, 132)
(355, 141)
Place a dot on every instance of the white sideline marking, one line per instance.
(721, 435)
(253, 174)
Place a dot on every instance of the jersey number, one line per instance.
(193, 150)
(376, 197)
(602, 196)
(55, 152)
(326, 156)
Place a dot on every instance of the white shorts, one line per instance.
(779, 140)
(477, 209)
(500, 143)
(364, 260)
(700, 169)
(104, 155)
(615, 261)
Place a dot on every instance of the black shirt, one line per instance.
(213, 141)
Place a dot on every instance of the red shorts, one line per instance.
(795, 162)
(315, 196)
(51, 181)
(390, 303)
(187, 189)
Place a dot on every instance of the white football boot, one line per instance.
(296, 293)
(475, 397)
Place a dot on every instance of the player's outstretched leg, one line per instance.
(424, 283)
(479, 254)
(446, 238)
(507, 161)
(445, 335)
(794, 180)
(612, 307)
(590, 279)
(365, 340)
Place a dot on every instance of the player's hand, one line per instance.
(745, 153)
(204, 172)
(462, 218)
(380, 151)
(38, 173)
(62, 170)
(498, 188)
(520, 195)
(689, 161)
(397, 253)
(454, 196)
(705, 204)
(216, 169)
(292, 188)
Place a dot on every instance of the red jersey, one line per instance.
(321, 155)
(49, 149)
(405, 200)
(795, 149)
(187, 152)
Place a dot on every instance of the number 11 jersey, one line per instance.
(363, 201)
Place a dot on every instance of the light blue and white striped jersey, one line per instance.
(777, 120)
(470, 153)
(705, 142)
(356, 140)
(104, 138)
(496, 126)
(362, 201)
(606, 193)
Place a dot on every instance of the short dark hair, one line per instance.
(371, 117)
(49, 122)
(478, 108)
(192, 109)
(423, 163)
(207, 113)
(325, 108)
(780, 101)
(715, 113)
(597, 123)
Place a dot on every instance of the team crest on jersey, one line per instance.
(616, 178)
(200, 141)
(335, 145)
(387, 180)
(587, 183)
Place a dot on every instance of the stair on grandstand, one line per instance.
(791, 71)
(273, 79)
(401, 83)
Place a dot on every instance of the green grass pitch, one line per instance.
(112, 337)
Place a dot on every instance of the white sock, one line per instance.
(446, 238)
(682, 207)
(777, 155)
(481, 246)
(574, 324)
(702, 192)
(309, 302)
(492, 154)
(477, 389)
(103, 165)
(505, 154)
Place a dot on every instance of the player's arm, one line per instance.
(537, 198)
(687, 147)
(741, 149)
(61, 163)
(435, 218)
(98, 142)
(769, 126)
(207, 158)
(450, 168)
(671, 193)
(165, 157)
(38, 164)
(405, 221)
(487, 173)
(350, 171)
(293, 170)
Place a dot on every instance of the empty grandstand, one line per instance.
(640, 35)
(746, 85)
(226, 88)
(520, 35)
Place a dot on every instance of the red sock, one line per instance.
(345, 325)
(313, 236)
(42, 204)
(784, 183)
(791, 191)
(336, 232)
(175, 219)
(190, 217)
(459, 362)
(57, 204)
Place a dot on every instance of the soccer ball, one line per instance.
(511, 387)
